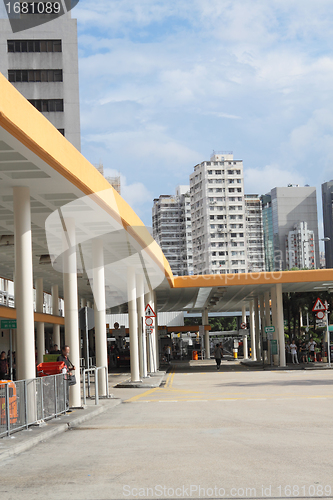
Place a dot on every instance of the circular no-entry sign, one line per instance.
(243, 325)
(149, 321)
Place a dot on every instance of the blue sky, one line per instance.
(164, 83)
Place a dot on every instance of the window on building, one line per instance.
(33, 75)
(210, 172)
(217, 172)
(34, 46)
(239, 190)
(48, 105)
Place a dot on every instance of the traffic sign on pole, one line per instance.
(7, 324)
(269, 329)
(243, 326)
(320, 314)
(319, 306)
(149, 321)
(149, 312)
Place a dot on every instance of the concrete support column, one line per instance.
(40, 326)
(257, 327)
(262, 326)
(245, 348)
(157, 338)
(100, 316)
(71, 308)
(25, 349)
(133, 325)
(142, 326)
(267, 310)
(274, 322)
(55, 312)
(252, 331)
(205, 321)
(280, 324)
(267, 323)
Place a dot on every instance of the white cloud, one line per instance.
(164, 83)
(262, 180)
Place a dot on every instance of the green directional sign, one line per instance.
(274, 347)
(330, 328)
(269, 329)
(7, 324)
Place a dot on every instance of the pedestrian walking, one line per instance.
(218, 353)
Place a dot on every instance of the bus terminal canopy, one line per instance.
(65, 189)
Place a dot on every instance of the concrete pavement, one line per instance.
(236, 433)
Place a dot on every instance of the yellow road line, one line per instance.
(138, 396)
(171, 379)
(167, 380)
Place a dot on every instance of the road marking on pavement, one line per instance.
(169, 380)
(138, 396)
(196, 400)
(256, 399)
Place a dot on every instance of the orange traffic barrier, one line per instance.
(195, 355)
(50, 368)
(12, 403)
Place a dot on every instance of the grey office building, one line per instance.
(42, 63)
(267, 223)
(292, 205)
(327, 199)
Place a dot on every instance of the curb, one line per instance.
(143, 385)
(57, 428)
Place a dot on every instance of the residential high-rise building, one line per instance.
(327, 200)
(42, 63)
(300, 247)
(254, 233)
(218, 216)
(172, 230)
(289, 206)
(267, 224)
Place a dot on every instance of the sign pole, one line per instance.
(328, 341)
(11, 354)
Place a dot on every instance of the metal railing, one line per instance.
(29, 402)
(94, 370)
(92, 363)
